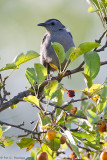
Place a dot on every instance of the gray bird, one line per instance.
(56, 32)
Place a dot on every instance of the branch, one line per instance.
(19, 127)
(63, 108)
(73, 101)
(99, 41)
(102, 48)
(16, 99)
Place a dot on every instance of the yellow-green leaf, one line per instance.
(88, 80)
(88, 46)
(41, 72)
(91, 9)
(54, 144)
(92, 117)
(50, 88)
(68, 53)
(103, 99)
(9, 66)
(25, 142)
(92, 65)
(94, 90)
(53, 66)
(75, 54)
(72, 142)
(51, 154)
(8, 142)
(13, 106)
(59, 51)
(22, 58)
(1, 132)
(31, 76)
(29, 147)
(32, 99)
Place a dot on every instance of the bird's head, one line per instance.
(52, 25)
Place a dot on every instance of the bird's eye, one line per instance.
(53, 23)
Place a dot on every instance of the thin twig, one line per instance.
(73, 101)
(102, 48)
(19, 127)
(100, 39)
(87, 149)
(62, 108)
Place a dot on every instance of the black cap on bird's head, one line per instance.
(52, 25)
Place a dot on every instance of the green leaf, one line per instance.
(68, 53)
(32, 99)
(72, 142)
(50, 89)
(0, 84)
(75, 54)
(44, 119)
(104, 2)
(59, 51)
(92, 145)
(70, 137)
(41, 72)
(75, 149)
(51, 154)
(85, 127)
(31, 76)
(88, 79)
(25, 142)
(82, 49)
(59, 96)
(13, 106)
(8, 142)
(88, 46)
(22, 58)
(54, 144)
(92, 117)
(1, 132)
(5, 128)
(101, 106)
(2, 145)
(92, 66)
(103, 98)
(9, 66)
(92, 9)
(34, 152)
(83, 135)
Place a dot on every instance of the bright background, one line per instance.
(19, 33)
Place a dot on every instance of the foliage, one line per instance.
(86, 137)
(99, 6)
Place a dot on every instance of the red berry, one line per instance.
(71, 93)
(42, 156)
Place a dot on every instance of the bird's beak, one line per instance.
(42, 24)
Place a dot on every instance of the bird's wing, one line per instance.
(44, 38)
(70, 34)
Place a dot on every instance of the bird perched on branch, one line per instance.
(56, 32)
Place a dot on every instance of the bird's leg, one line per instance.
(48, 72)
